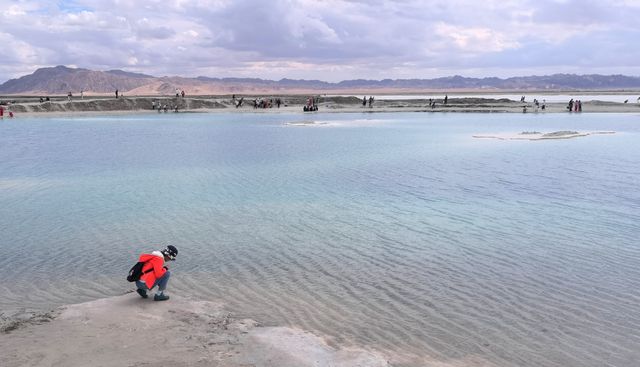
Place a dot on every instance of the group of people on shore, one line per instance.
(263, 103)
(432, 102)
(574, 106)
(364, 101)
(312, 104)
(157, 105)
(70, 95)
(542, 106)
(536, 105)
(9, 112)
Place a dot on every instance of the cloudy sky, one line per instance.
(322, 39)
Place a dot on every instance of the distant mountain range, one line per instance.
(61, 80)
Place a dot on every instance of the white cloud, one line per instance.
(475, 40)
(328, 40)
(14, 10)
(81, 19)
(16, 51)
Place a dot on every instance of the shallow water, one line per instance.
(399, 232)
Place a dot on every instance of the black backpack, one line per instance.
(136, 272)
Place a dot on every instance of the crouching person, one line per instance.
(155, 272)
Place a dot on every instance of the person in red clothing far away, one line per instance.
(155, 272)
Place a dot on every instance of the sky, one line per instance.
(327, 40)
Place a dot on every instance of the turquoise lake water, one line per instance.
(397, 232)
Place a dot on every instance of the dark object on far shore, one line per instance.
(311, 105)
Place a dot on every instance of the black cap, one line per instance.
(171, 252)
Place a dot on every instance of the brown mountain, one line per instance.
(61, 80)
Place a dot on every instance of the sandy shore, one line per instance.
(129, 331)
(29, 106)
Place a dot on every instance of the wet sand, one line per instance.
(130, 331)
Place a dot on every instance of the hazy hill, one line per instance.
(61, 80)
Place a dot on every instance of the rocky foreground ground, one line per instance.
(130, 331)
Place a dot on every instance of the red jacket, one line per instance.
(155, 261)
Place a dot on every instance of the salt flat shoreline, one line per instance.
(29, 107)
(129, 331)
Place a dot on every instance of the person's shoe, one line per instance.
(142, 293)
(160, 297)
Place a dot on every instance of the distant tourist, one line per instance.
(182, 93)
(9, 112)
(370, 101)
(116, 94)
(364, 101)
(81, 93)
(41, 99)
(239, 102)
(570, 106)
(446, 98)
(47, 99)
(153, 105)
(69, 95)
